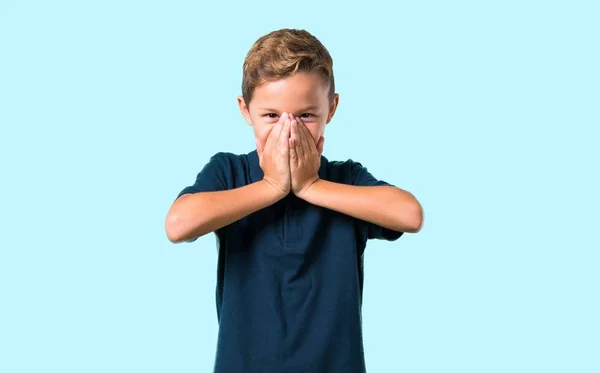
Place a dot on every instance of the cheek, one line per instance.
(262, 131)
(316, 130)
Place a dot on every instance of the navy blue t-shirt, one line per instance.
(289, 276)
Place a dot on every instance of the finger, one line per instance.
(274, 135)
(294, 131)
(284, 138)
(292, 143)
(312, 144)
(306, 139)
(293, 154)
(298, 144)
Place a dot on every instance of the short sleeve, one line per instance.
(362, 177)
(212, 177)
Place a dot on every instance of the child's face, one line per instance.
(303, 95)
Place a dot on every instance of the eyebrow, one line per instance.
(310, 108)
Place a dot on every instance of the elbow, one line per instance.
(177, 232)
(174, 234)
(414, 220)
(409, 212)
(175, 224)
(418, 218)
(417, 225)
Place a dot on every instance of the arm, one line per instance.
(214, 206)
(381, 205)
(387, 206)
(194, 215)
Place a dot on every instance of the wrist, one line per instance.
(308, 190)
(274, 190)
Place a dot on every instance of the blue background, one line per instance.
(487, 111)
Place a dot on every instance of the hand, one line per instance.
(305, 157)
(274, 157)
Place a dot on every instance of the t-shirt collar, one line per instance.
(256, 173)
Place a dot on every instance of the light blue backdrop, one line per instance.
(486, 111)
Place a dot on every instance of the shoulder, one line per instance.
(224, 157)
(353, 172)
(227, 160)
(220, 164)
(236, 169)
(348, 170)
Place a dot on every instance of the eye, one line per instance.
(271, 117)
(303, 115)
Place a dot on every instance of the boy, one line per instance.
(291, 225)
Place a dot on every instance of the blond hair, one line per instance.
(282, 53)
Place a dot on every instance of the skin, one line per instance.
(268, 112)
(288, 117)
(297, 108)
(293, 95)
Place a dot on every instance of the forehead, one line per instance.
(294, 92)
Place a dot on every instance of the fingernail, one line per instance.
(284, 115)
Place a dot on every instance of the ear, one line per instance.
(244, 109)
(334, 104)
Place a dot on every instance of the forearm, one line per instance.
(194, 215)
(387, 206)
